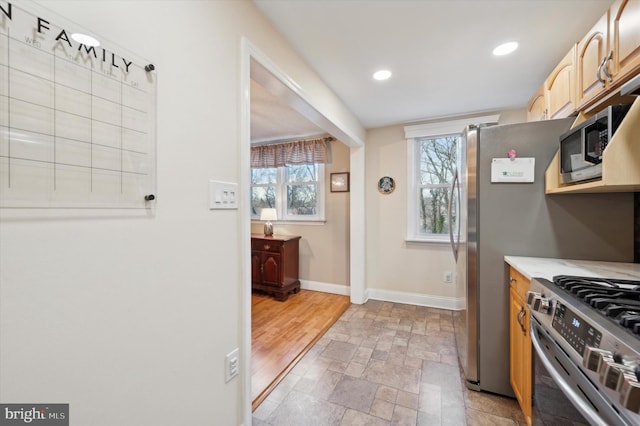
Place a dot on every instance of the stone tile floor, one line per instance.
(384, 363)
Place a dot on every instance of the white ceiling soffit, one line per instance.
(272, 120)
(281, 98)
(438, 50)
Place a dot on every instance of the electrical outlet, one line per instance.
(448, 277)
(232, 364)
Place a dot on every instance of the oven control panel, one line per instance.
(576, 332)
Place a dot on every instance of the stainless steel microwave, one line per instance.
(581, 148)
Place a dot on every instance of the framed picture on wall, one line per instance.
(340, 182)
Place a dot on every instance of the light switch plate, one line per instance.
(223, 195)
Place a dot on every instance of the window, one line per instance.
(436, 161)
(438, 158)
(433, 156)
(290, 178)
(295, 191)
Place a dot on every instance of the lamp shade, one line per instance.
(268, 214)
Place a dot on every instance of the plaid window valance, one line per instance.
(313, 151)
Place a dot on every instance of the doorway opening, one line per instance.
(256, 67)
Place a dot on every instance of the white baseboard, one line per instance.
(344, 290)
(441, 302)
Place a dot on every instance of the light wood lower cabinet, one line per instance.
(520, 342)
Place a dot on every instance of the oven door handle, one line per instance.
(587, 411)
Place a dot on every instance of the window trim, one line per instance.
(281, 194)
(430, 130)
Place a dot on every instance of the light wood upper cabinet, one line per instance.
(556, 98)
(624, 38)
(606, 58)
(590, 54)
(609, 54)
(560, 88)
(537, 106)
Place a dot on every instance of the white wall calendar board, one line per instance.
(77, 122)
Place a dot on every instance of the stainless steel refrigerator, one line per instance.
(518, 219)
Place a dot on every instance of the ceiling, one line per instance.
(438, 50)
(272, 119)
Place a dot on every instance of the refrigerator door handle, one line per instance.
(454, 244)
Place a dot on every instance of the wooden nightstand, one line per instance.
(274, 264)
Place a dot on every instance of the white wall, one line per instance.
(126, 315)
(397, 270)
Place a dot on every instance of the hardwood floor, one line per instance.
(282, 332)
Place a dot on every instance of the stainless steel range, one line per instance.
(586, 336)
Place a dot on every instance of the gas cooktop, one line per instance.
(616, 299)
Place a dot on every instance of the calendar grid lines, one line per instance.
(78, 129)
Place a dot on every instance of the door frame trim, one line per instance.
(250, 53)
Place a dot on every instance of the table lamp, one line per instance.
(268, 215)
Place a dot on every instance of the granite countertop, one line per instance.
(540, 267)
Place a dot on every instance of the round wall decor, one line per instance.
(386, 185)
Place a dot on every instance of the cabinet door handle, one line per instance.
(267, 246)
(605, 65)
(520, 319)
(598, 75)
(511, 279)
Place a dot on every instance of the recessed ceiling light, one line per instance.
(87, 40)
(382, 75)
(505, 48)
